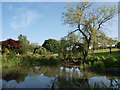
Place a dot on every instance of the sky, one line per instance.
(59, 0)
(40, 21)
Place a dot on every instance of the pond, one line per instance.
(55, 77)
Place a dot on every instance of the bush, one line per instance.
(39, 60)
(117, 62)
(102, 58)
(9, 61)
(99, 66)
(104, 62)
(6, 50)
(110, 62)
(118, 45)
(49, 61)
(93, 59)
(28, 60)
(4, 59)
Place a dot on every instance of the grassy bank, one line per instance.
(106, 52)
(100, 61)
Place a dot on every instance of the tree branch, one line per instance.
(73, 31)
(83, 34)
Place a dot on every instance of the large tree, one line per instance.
(71, 47)
(25, 44)
(87, 20)
(52, 45)
(102, 40)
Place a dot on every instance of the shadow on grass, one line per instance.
(114, 53)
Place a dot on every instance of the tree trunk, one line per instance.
(93, 51)
(110, 50)
(85, 54)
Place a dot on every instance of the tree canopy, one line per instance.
(25, 43)
(51, 45)
(88, 21)
(71, 47)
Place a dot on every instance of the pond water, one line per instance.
(55, 77)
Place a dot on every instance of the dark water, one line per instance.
(57, 77)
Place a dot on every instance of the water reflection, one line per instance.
(40, 81)
(59, 77)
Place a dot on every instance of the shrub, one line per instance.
(92, 59)
(118, 45)
(9, 61)
(49, 61)
(42, 51)
(39, 60)
(104, 62)
(4, 59)
(6, 51)
(117, 62)
(102, 58)
(99, 66)
(110, 62)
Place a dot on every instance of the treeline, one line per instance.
(71, 46)
(69, 49)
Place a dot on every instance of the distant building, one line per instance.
(113, 46)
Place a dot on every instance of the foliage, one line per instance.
(110, 42)
(49, 61)
(52, 45)
(6, 51)
(102, 40)
(70, 47)
(93, 59)
(118, 62)
(110, 62)
(28, 60)
(25, 44)
(118, 45)
(104, 62)
(11, 45)
(86, 21)
(42, 51)
(10, 60)
(105, 41)
(32, 47)
(94, 39)
(39, 60)
(98, 67)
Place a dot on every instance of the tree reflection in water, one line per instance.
(56, 77)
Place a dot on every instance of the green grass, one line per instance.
(106, 52)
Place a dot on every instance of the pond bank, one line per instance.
(106, 71)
